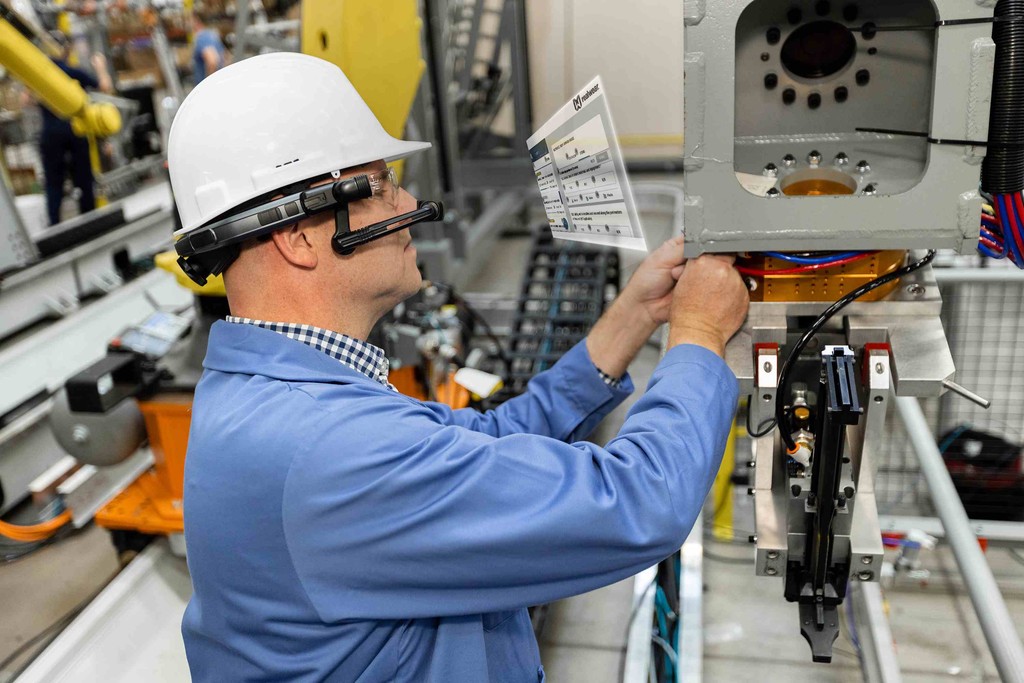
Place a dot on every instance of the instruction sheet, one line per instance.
(581, 175)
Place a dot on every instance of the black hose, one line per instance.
(1003, 169)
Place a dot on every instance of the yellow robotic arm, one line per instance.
(60, 93)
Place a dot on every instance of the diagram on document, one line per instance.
(581, 175)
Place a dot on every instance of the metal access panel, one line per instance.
(775, 91)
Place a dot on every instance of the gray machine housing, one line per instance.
(914, 195)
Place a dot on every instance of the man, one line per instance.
(339, 531)
(207, 49)
(59, 148)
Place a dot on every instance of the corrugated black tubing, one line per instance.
(1003, 169)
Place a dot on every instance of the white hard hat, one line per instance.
(264, 123)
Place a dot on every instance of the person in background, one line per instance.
(208, 53)
(59, 148)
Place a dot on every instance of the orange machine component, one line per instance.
(449, 393)
(152, 503)
(825, 284)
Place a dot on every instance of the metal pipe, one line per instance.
(967, 393)
(60, 93)
(988, 602)
(977, 275)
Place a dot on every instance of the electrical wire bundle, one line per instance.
(1002, 227)
(806, 263)
(1002, 171)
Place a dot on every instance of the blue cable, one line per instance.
(1005, 216)
(1018, 228)
(812, 260)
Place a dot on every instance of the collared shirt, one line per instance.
(355, 353)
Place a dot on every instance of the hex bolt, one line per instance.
(849, 491)
(773, 192)
(865, 576)
(770, 170)
(773, 554)
(870, 190)
(916, 289)
(841, 94)
(814, 100)
(879, 369)
(866, 559)
(863, 77)
(863, 166)
(770, 81)
(767, 366)
(788, 96)
(773, 35)
(788, 160)
(814, 157)
(841, 159)
(771, 571)
(795, 490)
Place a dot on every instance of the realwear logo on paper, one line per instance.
(577, 102)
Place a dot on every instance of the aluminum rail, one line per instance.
(996, 624)
(977, 275)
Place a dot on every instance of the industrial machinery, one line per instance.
(827, 142)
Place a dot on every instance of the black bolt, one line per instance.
(841, 93)
(788, 96)
(822, 7)
(765, 56)
(814, 100)
(750, 491)
(869, 30)
(770, 81)
(794, 16)
(850, 12)
(848, 491)
(872, 50)
(841, 501)
(863, 77)
(752, 538)
(774, 35)
(846, 460)
(795, 489)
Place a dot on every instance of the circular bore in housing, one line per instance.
(788, 96)
(770, 81)
(863, 77)
(818, 49)
(817, 182)
(773, 35)
(814, 100)
(841, 94)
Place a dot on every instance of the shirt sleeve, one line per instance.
(396, 514)
(565, 402)
(86, 79)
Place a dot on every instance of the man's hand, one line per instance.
(652, 283)
(709, 303)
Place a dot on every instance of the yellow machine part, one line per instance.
(60, 93)
(721, 489)
(826, 284)
(168, 260)
(377, 45)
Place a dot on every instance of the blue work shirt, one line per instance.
(205, 38)
(339, 531)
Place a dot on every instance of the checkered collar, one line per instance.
(354, 353)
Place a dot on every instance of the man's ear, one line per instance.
(296, 245)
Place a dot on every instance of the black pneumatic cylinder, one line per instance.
(1003, 169)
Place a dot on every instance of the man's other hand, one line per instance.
(652, 283)
(709, 303)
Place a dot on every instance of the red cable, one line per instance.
(1017, 206)
(992, 245)
(810, 268)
